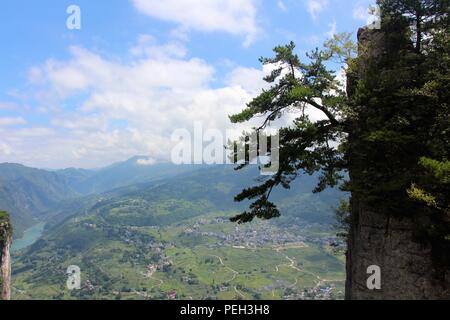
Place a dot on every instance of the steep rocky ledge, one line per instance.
(375, 238)
(5, 262)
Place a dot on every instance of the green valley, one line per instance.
(172, 239)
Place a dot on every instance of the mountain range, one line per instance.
(29, 194)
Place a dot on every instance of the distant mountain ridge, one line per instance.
(125, 173)
(28, 193)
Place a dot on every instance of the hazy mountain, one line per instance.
(29, 194)
(135, 170)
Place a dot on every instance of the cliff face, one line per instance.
(407, 269)
(378, 239)
(5, 262)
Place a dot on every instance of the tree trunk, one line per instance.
(419, 32)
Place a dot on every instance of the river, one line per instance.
(30, 236)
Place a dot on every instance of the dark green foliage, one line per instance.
(343, 218)
(426, 17)
(403, 129)
(5, 227)
(3, 216)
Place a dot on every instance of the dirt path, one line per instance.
(235, 273)
(150, 276)
(292, 264)
(239, 293)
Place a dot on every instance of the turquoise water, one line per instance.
(30, 236)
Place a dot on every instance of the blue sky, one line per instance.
(138, 69)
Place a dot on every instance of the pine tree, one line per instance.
(307, 145)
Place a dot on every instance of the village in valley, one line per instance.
(266, 236)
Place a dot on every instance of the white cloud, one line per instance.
(366, 10)
(12, 121)
(341, 78)
(75, 121)
(281, 5)
(5, 149)
(333, 30)
(249, 79)
(147, 46)
(237, 17)
(361, 13)
(316, 6)
(361, 9)
(32, 133)
(146, 162)
(108, 109)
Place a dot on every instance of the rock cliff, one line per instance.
(379, 239)
(5, 262)
(407, 268)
